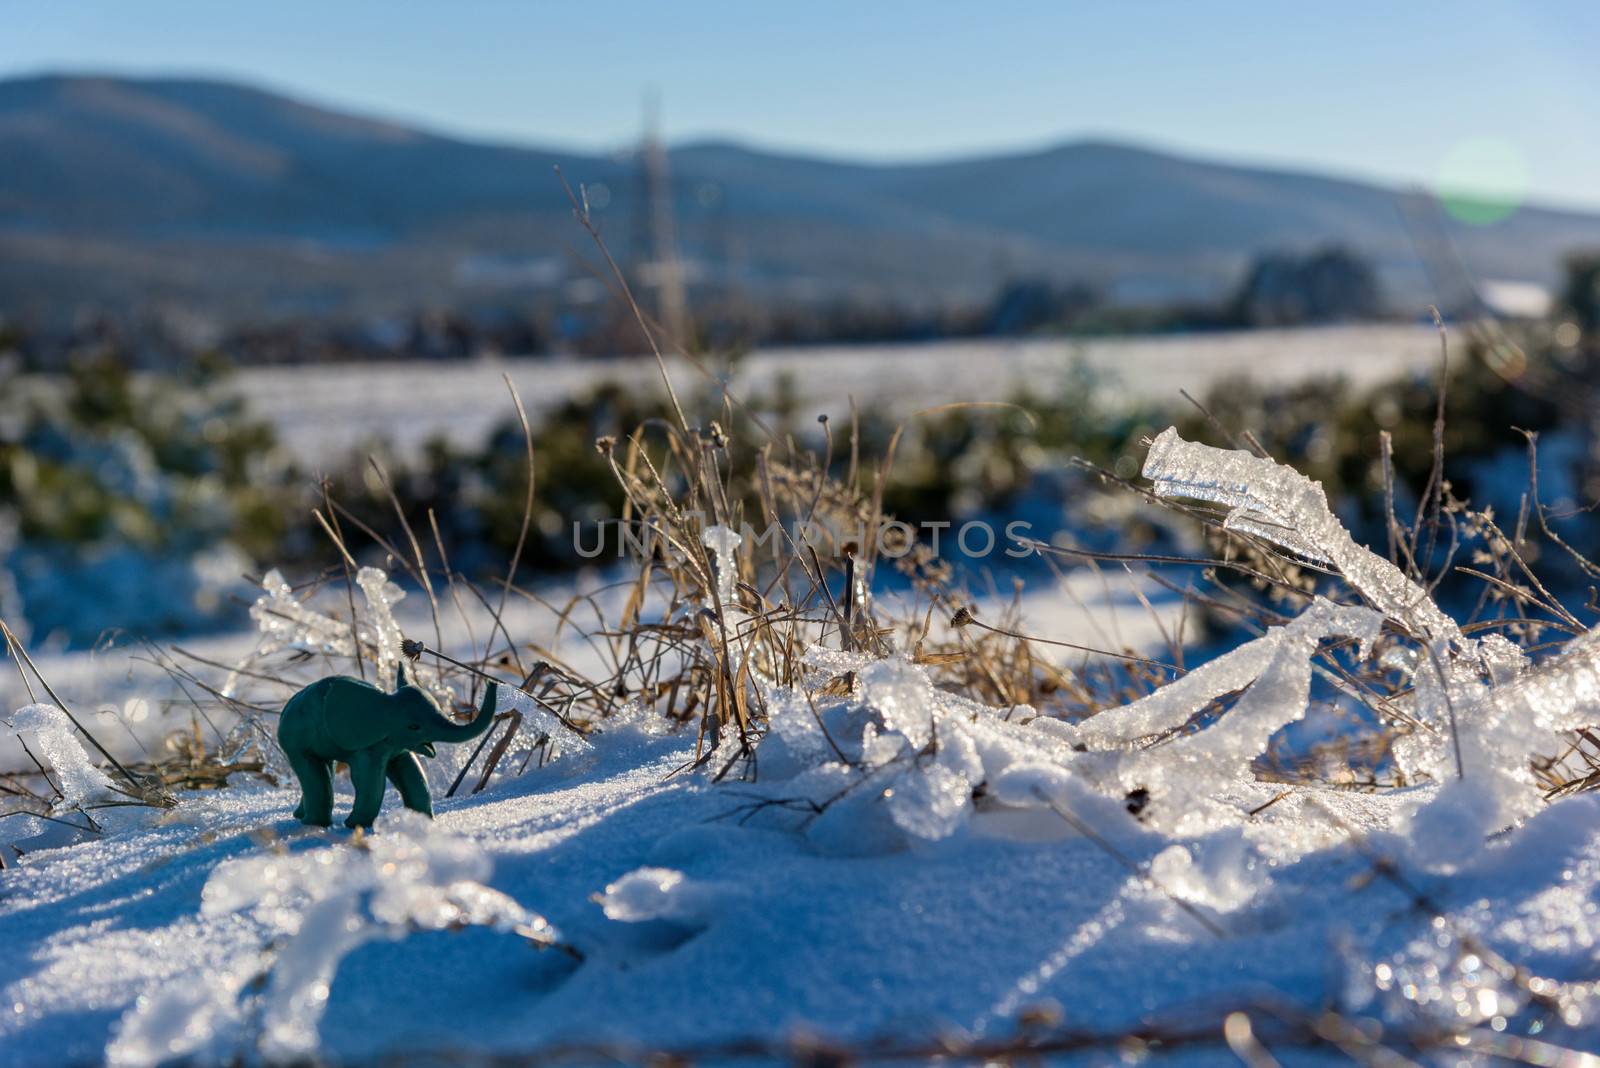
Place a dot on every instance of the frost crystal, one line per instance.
(76, 774)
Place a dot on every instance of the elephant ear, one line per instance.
(360, 722)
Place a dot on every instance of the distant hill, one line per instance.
(131, 191)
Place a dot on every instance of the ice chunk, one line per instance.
(795, 726)
(58, 745)
(1171, 706)
(286, 621)
(931, 759)
(901, 693)
(1563, 693)
(723, 544)
(933, 798)
(382, 595)
(1281, 505)
(1278, 663)
(1188, 770)
(1486, 734)
(253, 737)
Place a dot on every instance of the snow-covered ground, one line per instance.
(721, 929)
(898, 865)
(327, 410)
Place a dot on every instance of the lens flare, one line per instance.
(1482, 180)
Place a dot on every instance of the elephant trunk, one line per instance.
(466, 732)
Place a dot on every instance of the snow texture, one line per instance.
(316, 907)
(189, 936)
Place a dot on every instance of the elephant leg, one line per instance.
(366, 775)
(316, 789)
(406, 774)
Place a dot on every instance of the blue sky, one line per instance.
(1503, 96)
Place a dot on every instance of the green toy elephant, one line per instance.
(378, 734)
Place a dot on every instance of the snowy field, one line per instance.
(896, 872)
(327, 410)
(719, 930)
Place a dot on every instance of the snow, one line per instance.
(663, 894)
(963, 936)
(323, 410)
(314, 908)
(903, 864)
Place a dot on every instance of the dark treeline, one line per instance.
(1329, 285)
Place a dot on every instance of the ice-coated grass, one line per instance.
(76, 776)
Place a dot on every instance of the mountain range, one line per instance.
(129, 193)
